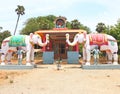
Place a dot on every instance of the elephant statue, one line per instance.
(26, 42)
(105, 43)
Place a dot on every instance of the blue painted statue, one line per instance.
(96, 55)
(20, 55)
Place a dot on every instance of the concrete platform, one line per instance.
(17, 67)
(100, 66)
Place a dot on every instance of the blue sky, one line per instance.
(88, 12)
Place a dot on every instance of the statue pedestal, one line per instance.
(17, 67)
(100, 66)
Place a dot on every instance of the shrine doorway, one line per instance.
(59, 48)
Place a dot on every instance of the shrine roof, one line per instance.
(60, 31)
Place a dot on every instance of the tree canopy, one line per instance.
(46, 23)
(38, 23)
(100, 27)
(4, 35)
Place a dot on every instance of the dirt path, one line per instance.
(70, 80)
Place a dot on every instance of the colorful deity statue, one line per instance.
(20, 55)
(96, 55)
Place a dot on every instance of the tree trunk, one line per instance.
(16, 24)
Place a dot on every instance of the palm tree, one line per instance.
(75, 24)
(20, 11)
(100, 27)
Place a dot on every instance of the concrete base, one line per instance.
(17, 67)
(101, 66)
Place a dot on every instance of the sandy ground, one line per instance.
(71, 79)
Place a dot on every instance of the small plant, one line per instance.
(11, 81)
(6, 77)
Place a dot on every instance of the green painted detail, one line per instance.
(112, 43)
(16, 41)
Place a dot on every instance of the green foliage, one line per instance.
(46, 23)
(39, 23)
(31, 26)
(68, 25)
(100, 27)
(80, 49)
(85, 28)
(75, 24)
(20, 10)
(51, 18)
(4, 35)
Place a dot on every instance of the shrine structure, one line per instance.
(57, 47)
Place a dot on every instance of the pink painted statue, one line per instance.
(106, 43)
